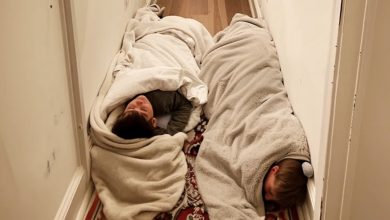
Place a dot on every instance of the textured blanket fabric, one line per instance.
(136, 179)
(251, 123)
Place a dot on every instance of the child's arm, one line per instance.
(173, 103)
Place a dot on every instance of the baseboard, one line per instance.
(252, 8)
(305, 211)
(85, 203)
(255, 8)
(73, 200)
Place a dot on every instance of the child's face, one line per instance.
(141, 105)
(269, 184)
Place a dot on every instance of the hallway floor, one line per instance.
(215, 15)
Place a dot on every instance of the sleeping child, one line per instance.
(284, 185)
(138, 120)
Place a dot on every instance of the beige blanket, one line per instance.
(136, 179)
(251, 125)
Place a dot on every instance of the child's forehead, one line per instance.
(134, 98)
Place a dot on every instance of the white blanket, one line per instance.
(136, 179)
(251, 124)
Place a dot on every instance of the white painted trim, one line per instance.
(83, 210)
(81, 120)
(306, 210)
(255, 8)
(342, 113)
(355, 33)
(303, 212)
(309, 204)
(364, 73)
(75, 189)
(252, 8)
(80, 186)
(256, 4)
(311, 192)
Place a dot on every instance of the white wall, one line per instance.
(99, 28)
(305, 33)
(37, 140)
(42, 164)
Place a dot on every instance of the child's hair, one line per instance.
(131, 125)
(290, 185)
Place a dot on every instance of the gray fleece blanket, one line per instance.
(251, 124)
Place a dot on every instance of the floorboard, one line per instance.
(215, 15)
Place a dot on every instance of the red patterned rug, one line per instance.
(190, 205)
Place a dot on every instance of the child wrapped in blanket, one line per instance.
(138, 120)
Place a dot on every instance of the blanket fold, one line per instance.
(138, 178)
(251, 122)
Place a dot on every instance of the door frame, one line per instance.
(79, 191)
(354, 36)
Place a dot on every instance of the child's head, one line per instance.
(136, 121)
(284, 185)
